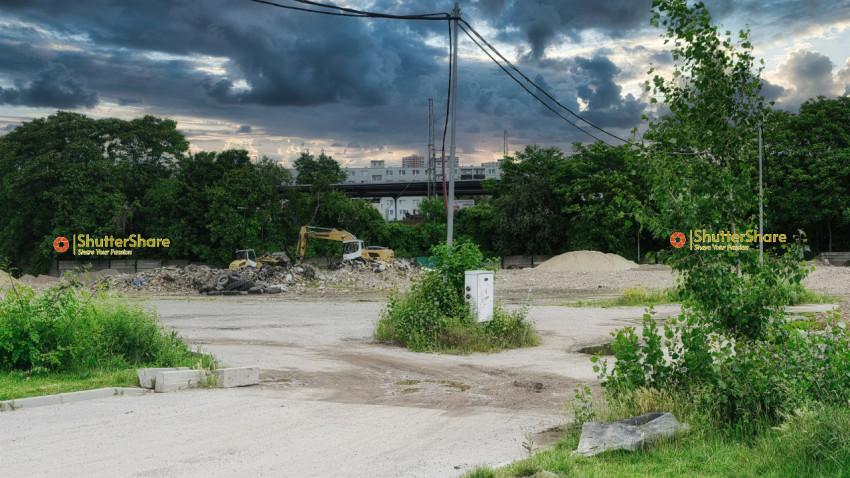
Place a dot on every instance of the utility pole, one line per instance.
(761, 200)
(506, 145)
(431, 172)
(451, 199)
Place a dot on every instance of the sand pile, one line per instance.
(587, 261)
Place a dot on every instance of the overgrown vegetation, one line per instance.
(433, 315)
(69, 338)
(641, 296)
(811, 442)
(766, 395)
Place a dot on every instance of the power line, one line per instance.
(529, 91)
(350, 12)
(526, 78)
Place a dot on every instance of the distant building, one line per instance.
(413, 161)
(413, 169)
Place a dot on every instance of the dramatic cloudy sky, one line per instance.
(239, 74)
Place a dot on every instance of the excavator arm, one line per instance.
(308, 232)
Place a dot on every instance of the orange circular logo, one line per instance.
(60, 244)
(677, 239)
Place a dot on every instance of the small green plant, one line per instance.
(433, 315)
(582, 406)
(81, 338)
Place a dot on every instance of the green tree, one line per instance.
(808, 168)
(319, 172)
(528, 215)
(699, 165)
(70, 174)
(595, 177)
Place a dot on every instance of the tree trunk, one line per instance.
(829, 228)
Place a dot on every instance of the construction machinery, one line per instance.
(352, 248)
(248, 258)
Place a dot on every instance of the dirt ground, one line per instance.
(332, 401)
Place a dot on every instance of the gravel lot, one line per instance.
(332, 402)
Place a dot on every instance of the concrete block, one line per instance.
(31, 402)
(237, 377)
(178, 380)
(146, 375)
(70, 397)
(74, 397)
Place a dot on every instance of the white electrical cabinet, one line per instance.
(478, 291)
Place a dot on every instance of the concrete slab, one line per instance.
(237, 377)
(147, 375)
(177, 380)
(70, 397)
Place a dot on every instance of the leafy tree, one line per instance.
(62, 175)
(528, 217)
(808, 167)
(699, 165)
(319, 172)
(595, 177)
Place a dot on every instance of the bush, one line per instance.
(67, 329)
(738, 382)
(434, 316)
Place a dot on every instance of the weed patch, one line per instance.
(68, 339)
(433, 316)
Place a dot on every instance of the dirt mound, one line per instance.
(587, 261)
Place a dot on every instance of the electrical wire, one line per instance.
(526, 78)
(444, 16)
(446, 123)
(531, 92)
(424, 16)
(350, 12)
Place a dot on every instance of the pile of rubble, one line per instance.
(358, 273)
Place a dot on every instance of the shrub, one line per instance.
(434, 316)
(738, 382)
(66, 328)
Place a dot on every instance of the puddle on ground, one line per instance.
(601, 349)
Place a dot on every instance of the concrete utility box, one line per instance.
(478, 291)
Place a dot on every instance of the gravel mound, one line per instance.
(587, 261)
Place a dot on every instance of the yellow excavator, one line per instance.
(352, 248)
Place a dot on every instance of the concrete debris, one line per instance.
(358, 274)
(630, 434)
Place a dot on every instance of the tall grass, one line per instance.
(73, 335)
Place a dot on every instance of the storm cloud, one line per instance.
(295, 80)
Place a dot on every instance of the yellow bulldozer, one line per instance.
(248, 258)
(352, 248)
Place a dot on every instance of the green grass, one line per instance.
(14, 385)
(640, 296)
(631, 297)
(814, 443)
(66, 340)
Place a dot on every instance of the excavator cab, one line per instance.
(244, 258)
(352, 249)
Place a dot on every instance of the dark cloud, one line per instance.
(245, 128)
(124, 101)
(542, 21)
(602, 95)
(53, 87)
(368, 126)
(771, 92)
